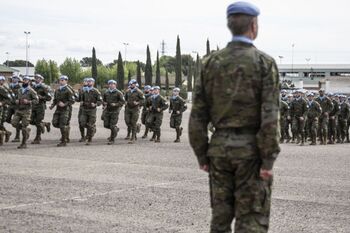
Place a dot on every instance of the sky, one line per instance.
(319, 29)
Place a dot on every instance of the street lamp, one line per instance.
(27, 34)
(293, 59)
(7, 60)
(280, 57)
(126, 45)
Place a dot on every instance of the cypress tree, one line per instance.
(166, 83)
(94, 66)
(148, 68)
(138, 74)
(158, 71)
(197, 70)
(189, 78)
(129, 76)
(178, 71)
(208, 47)
(120, 72)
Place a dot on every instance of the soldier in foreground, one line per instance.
(344, 115)
(14, 87)
(38, 110)
(145, 110)
(63, 99)
(27, 97)
(113, 101)
(177, 107)
(238, 92)
(5, 100)
(81, 127)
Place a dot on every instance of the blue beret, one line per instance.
(91, 80)
(64, 77)
(176, 89)
(147, 87)
(132, 81)
(2, 78)
(242, 8)
(112, 81)
(26, 78)
(156, 87)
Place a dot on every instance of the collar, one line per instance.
(62, 87)
(112, 90)
(243, 39)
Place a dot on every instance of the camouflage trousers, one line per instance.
(237, 191)
(87, 120)
(110, 119)
(21, 119)
(10, 112)
(144, 115)
(332, 128)
(131, 116)
(323, 126)
(343, 127)
(283, 123)
(60, 119)
(154, 121)
(311, 128)
(298, 127)
(175, 120)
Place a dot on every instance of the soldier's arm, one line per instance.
(141, 98)
(47, 96)
(164, 105)
(268, 134)
(98, 98)
(34, 97)
(183, 106)
(121, 101)
(331, 106)
(198, 123)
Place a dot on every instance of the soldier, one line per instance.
(90, 100)
(146, 106)
(284, 114)
(177, 107)
(348, 126)
(14, 87)
(27, 97)
(155, 117)
(284, 95)
(5, 100)
(63, 99)
(113, 101)
(38, 110)
(327, 107)
(313, 114)
(238, 91)
(70, 106)
(333, 119)
(288, 124)
(343, 117)
(81, 127)
(134, 100)
(298, 112)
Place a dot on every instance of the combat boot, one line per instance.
(133, 138)
(2, 135)
(16, 139)
(7, 136)
(63, 137)
(47, 126)
(25, 136)
(82, 134)
(128, 136)
(177, 135)
(36, 140)
(146, 133)
(153, 137)
(67, 134)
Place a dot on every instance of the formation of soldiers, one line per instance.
(23, 101)
(312, 116)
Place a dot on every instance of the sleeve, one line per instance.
(98, 98)
(47, 96)
(199, 120)
(183, 106)
(164, 104)
(121, 100)
(34, 97)
(268, 134)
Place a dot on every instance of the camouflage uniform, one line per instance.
(145, 112)
(177, 107)
(132, 111)
(238, 92)
(38, 111)
(284, 113)
(298, 109)
(343, 117)
(113, 101)
(327, 107)
(313, 114)
(333, 122)
(155, 117)
(70, 107)
(13, 107)
(23, 113)
(5, 100)
(81, 127)
(90, 99)
(61, 116)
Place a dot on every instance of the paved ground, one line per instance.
(151, 187)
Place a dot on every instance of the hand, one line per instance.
(332, 117)
(158, 109)
(136, 103)
(301, 118)
(93, 105)
(288, 118)
(113, 104)
(51, 107)
(61, 104)
(177, 112)
(25, 101)
(265, 174)
(325, 113)
(204, 167)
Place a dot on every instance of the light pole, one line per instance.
(280, 57)
(126, 45)
(7, 60)
(27, 34)
(293, 59)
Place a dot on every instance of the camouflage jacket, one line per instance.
(90, 99)
(27, 94)
(14, 91)
(134, 96)
(5, 96)
(314, 110)
(159, 104)
(113, 100)
(298, 108)
(344, 113)
(336, 109)
(238, 88)
(177, 105)
(284, 109)
(64, 95)
(326, 104)
(43, 92)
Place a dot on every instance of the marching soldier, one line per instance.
(155, 117)
(177, 107)
(90, 100)
(327, 107)
(134, 100)
(284, 114)
(333, 119)
(343, 117)
(5, 100)
(146, 106)
(63, 99)
(288, 124)
(14, 87)
(298, 112)
(313, 114)
(113, 101)
(38, 110)
(27, 97)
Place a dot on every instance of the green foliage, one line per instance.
(167, 83)
(168, 63)
(178, 70)
(189, 78)
(148, 68)
(138, 74)
(120, 72)
(208, 47)
(18, 63)
(71, 67)
(94, 65)
(186, 62)
(54, 71)
(48, 69)
(87, 61)
(157, 71)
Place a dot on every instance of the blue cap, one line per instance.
(132, 81)
(26, 78)
(147, 87)
(156, 87)
(112, 81)
(242, 8)
(90, 80)
(176, 89)
(63, 77)
(2, 78)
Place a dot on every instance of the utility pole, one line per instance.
(27, 34)
(163, 48)
(7, 60)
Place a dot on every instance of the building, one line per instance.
(22, 70)
(314, 70)
(7, 71)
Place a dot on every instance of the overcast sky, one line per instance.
(319, 29)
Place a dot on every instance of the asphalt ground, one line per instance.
(149, 187)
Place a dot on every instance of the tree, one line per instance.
(148, 68)
(129, 76)
(166, 83)
(71, 67)
(138, 74)
(120, 72)
(186, 62)
(42, 67)
(168, 63)
(158, 71)
(94, 66)
(197, 70)
(178, 71)
(18, 63)
(54, 71)
(208, 47)
(87, 62)
(189, 78)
